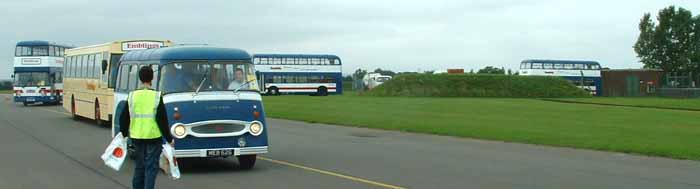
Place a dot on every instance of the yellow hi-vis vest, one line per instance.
(142, 110)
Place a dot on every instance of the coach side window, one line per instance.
(568, 66)
(123, 78)
(66, 67)
(558, 66)
(98, 65)
(81, 68)
(524, 66)
(89, 66)
(133, 77)
(536, 65)
(74, 70)
(156, 78)
(548, 66)
(71, 67)
(52, 51)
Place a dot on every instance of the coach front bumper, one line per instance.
(33, 99)
(190, 153)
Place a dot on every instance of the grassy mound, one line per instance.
(473, 85)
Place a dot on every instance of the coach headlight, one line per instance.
(256, 128)
(179, 131)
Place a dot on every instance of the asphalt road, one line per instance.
(43, 148)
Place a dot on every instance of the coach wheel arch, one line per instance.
(273, 91)
(322, 91)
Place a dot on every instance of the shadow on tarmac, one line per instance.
(210, 165)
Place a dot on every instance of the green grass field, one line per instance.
(652, 102)
(657, 132)
(5, 91)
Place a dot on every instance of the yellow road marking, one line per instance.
(332, 173)
(301, 166)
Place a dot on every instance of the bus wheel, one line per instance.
(322, 91)
(98, 119)
(273, 91)
(72, 108)
(246, 161)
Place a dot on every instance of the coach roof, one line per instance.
(39, 43)
(186, 53)
(560, 61)
(324, 56)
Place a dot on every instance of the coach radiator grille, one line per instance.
(218, 128)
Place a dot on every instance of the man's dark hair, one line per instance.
(146, 74)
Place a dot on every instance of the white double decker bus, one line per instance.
(299, 74)
(38, 72)
(583, 74)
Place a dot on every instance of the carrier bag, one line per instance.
(115, 154)
(168, 162)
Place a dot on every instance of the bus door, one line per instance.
(56, 83)
(113, 70)
(261, 81)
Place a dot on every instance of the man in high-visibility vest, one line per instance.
(145, 122)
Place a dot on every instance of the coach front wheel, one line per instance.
(246, 161)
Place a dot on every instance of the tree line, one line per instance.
(359, 73)
(5, 85)
(671, 42)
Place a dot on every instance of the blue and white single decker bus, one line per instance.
(211, 97)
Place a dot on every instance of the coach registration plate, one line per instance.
(219, 153)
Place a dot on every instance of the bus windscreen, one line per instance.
(188, 77)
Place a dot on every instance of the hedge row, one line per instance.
(477, 85)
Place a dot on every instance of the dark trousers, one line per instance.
(147, 156)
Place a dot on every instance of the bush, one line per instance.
(347, 85)
(5, 85)
(472, 85)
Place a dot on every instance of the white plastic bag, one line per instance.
(116, 152)
(168, 162)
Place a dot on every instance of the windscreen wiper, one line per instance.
(241, 86)
(196, 92)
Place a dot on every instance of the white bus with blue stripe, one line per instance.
(299, 74)
(211, 96)
(583, 74)
(38, 72)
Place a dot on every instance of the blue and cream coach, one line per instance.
(211, 97)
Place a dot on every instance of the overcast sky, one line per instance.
(397, 35)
